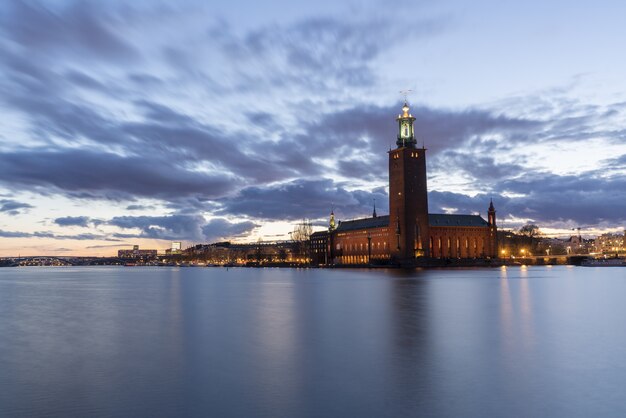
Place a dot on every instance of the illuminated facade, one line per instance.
(610, 243)
(136, 253)
(409, 233)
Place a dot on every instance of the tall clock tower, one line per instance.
(408, 195)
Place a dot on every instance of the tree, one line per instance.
(301, 235)
(258, 252)
(530, 233)
(529, 230)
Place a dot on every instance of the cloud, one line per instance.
(564, 201)
(46, 234)
(319, 54)
(139, 207)
(13, 207)
(180, 227)
(15, 234)
(302, 199)
(107, 175)
(582, 200)
(219, 228)
(108, 246)
(79, 27)
(73, 221)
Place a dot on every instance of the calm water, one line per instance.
(160, 342)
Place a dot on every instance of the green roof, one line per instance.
(434, 219)
(442, 219)
(319, 234)
(366, 223)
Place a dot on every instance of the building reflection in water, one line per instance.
(412, 380)
(516, 317)
(506, 311)
(526, 312)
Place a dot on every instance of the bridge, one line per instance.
(549, 259)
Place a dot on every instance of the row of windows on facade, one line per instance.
(458, 243)
(355, 247)
(413, 155)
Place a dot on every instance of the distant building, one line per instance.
(319, 248)
(258, 253)
(175, 249)
(137, 254)
(610, 243)
(409, 232)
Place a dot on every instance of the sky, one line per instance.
(150, 122)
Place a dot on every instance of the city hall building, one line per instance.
(409, 234)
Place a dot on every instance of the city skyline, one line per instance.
(150, 123)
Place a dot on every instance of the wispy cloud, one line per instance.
(12, 207)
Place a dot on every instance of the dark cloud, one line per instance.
(139, 207)
(441, 202)
(180, 227)
(15, 234)
(359, 136)
(13, 207)
(483, 170)
(565, 201)
(73, 221)
(219, 228)
(79, 28)
(263, 119)
(303, 199)
(616, 163)
(107, 175)
(582, 200)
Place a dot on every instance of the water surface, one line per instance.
(164, 342)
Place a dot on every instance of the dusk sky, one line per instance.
(149, 122)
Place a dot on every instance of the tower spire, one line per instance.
(406, 135)
(491, 214)
(374, 213)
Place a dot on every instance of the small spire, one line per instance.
(405, 110)
(491, 208)
(374, 214)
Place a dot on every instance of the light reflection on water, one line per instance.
(529, 341)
